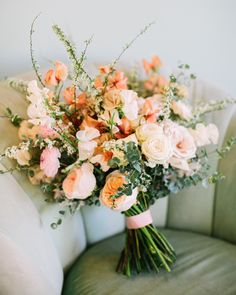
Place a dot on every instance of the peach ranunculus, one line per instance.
(27, 130)
(204, 135)
(151, 108)
(181, 109)
(154, 65)
(61, 71)
(114, 181)
(49, 161)
(80, 182)
(91, 122)
(183, 143)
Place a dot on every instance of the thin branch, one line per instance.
(33, 60)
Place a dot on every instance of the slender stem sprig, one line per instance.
(33, 59)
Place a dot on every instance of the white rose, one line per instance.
(147, 130)
(157, 149)
(181, 109)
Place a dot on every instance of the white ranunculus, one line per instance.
(147, 130)
(130, 104)
(181, 109)
(157, 149)
(86, 149)
(204, 135)
(87, 134)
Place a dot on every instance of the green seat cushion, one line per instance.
(204, 266)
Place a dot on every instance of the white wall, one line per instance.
(199, 32)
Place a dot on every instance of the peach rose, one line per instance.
(114, 181)
(181, 109)
(80, 182)
(49, 162)
(183, 143)
(50, 78)
(61, 71)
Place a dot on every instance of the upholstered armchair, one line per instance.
(80, 256)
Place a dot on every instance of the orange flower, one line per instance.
(126, 126)
(50, 78)
(61, 72)
(156, 83)
(118, 80)
(153, 65)
(98, 83)
(90, 122)
(104, 69)
(69, 94)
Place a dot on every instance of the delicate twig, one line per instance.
(33, 60)
(71, 50)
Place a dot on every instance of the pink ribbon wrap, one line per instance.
(140, 220)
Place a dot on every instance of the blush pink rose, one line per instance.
(183, 143)
(49, 161)
(181, 109)
(80, 182)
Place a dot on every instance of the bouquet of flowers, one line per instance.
(115, 139)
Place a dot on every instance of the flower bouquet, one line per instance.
(115, 139)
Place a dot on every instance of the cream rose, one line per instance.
(80, 182)
(157, 149)
(147, 130)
